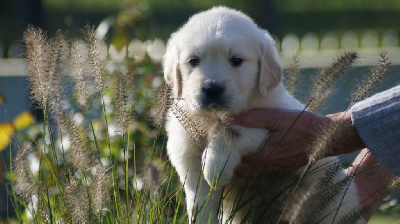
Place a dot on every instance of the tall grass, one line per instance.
(102, 158)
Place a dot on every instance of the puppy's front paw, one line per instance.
(224, 178)
(217, 169)
(210, 169)
(216, 176)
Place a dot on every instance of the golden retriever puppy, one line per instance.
(221, 60)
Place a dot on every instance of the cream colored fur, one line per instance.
(215, 37)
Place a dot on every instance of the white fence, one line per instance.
(317, 50)
(314, 50)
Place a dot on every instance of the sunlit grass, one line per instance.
(101, 158)
(379, 218)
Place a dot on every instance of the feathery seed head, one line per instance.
(319, 195)
(44, 59)
(84, 87)
(200, 126)
(97, 56)
(80, 153)
(371, 81)
(204, 126)
(59, 51)
(293, 71)
(328, 75)
(162, 104)
(77, 201)
(25, 185)
(100, 188)
(37, 51)
(191, 123)
(317, 102)
(354, 215)
(326, 140)
(123, 100)
(218, 123)
(153, 175)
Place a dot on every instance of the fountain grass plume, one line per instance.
(36, 52)
(390, 186)
(153, 175)
(161, 104)
(354, 215)
(372, 80)
(292, 74)
(79, 74)
(26, 185)
(123, 99)
(192, 125)
(217, 122)
(58, 55)
(320, 194)
(77, 201)
(328, 75)
(326, 139)
(100, 189)
(317, 102)
(97, 56)
(80, 153)
(200, 126)
(44, 57)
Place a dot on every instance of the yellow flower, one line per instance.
(23, 120)
(8, 129)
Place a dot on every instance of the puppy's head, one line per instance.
(220, 59)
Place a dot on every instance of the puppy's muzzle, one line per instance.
(213, 95)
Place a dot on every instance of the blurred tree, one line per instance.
(15, 16)
(286, 16)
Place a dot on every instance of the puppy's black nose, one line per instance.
(212, 91)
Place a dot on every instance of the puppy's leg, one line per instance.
(221, 156)
(202, 202)
(185, 156)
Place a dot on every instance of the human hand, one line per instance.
(373, 181)
(292, 135)
(286, 149)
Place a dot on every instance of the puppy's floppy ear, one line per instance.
(172, 74)
(270, 70)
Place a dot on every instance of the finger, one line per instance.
(272, 119)
(259, 118)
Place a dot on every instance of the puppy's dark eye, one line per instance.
(194, 61)
(236, 62)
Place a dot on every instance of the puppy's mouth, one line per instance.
(213, 104)
(213, 97)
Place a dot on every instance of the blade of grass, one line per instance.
(127, 176)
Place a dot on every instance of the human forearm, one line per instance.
(347, 139)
